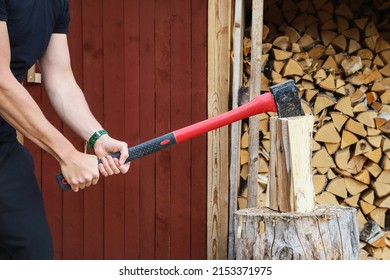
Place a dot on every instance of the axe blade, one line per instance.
(287, 99)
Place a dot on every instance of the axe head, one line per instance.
(287, 99)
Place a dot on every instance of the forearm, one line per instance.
(69, 102)
(65, 95)
(30, 120)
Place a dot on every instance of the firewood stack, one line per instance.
(338, 53)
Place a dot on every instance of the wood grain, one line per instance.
(219, 15)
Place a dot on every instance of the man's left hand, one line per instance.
(105, 146)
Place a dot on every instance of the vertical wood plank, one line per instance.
(93, 89)
(199, 144)
(219, 20)
(235, 127)
(180, 117)
(255, 87)
(163, 125)
(147, 129)
(132, 127)
(73, 217)
(114, 112)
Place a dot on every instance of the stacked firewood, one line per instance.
(338, 54)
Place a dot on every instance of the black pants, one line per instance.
(24, 232)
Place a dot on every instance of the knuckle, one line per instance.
(75, 182)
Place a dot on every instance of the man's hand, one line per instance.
(105, 146)
(80, 170)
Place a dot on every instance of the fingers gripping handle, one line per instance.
(135, 152)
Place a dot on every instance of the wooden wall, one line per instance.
(142, 65)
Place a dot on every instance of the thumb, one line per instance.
(124, 154)
(100, 151)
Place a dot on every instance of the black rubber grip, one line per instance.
(135, 152)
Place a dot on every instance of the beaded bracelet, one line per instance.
(95, 137)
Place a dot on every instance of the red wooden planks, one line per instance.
(132, 127)
(93, 80)
(147, 129)
(73, 218)
(199, 144)
(147, 60)
(114, 112)
(163, 126)
(180, 117)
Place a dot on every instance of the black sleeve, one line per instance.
(3, 11)
(62, 25)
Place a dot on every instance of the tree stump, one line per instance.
(325, 233)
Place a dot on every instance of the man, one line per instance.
(30, 31)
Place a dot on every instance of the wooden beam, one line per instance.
(235, 127)
(33, 76)
(255, 87)
(219, 46)
(20, 137)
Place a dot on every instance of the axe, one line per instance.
(283, 99)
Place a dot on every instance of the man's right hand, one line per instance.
(80, 170)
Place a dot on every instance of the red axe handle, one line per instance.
(261, 104)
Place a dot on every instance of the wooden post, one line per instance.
(235, 141)
(219, 41)
(292, 227)
(255, 87)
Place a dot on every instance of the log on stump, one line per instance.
(292, 227)
(290, 184)
(327, 233)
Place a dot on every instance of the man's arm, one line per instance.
(63, 91)
(69, 102)
(19, 109)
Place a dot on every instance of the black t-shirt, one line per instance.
(30, 25)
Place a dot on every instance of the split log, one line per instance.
(290, 185)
